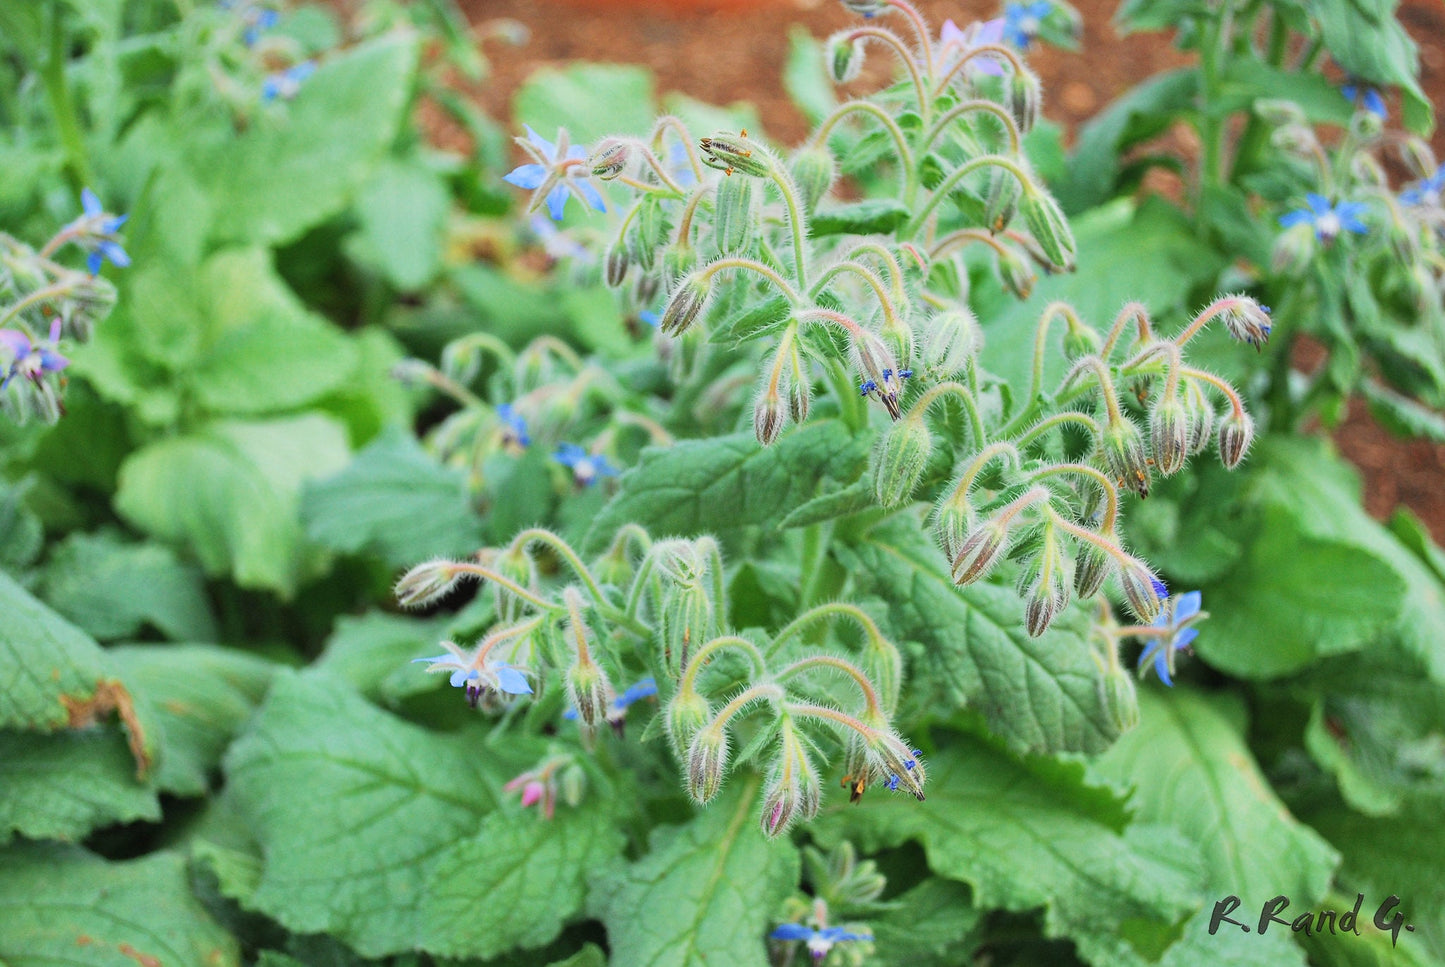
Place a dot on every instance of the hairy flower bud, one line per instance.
(1119, 699)
(1092, 567)
(706, 762)
(1169, 435)
(768, 417)
(1002, 201)
(813, 172)
(953, 338)
(1044, 584)
(794, 790)
(685, 716)
(953, 520)
(890, 759)
(899, 459)
(590, 692)
(616, 263)
(1080, 340)
(1125, 457)
(609, 158)
(1049, 227)
(1246, 320)
(1236, 432)
(688, 618)
(1014, 271)
(734, 221)
(883, 664)
(736, 153)
(1417, 155)
(881, 376)
(799, 386)
(1201, 419)
(1279, 112)
(686, 303)
(980, 551)
(1025, 96)
(844, 57)
(573, 783)
(516, 565)
(427, 583)
(1143, 590)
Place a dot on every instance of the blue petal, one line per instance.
(1350, 91)
(435, 660)
(112, 225)
(568, 454)
(1187, 605)
(590, 193)
(557, 201)
(1161, 665)
(1300, 217)
(90, 202)
(793, 931)
(1319, 204)
(52, 362)
(526, 176)
(92, 262)
(1185, 638)
(17, 342)
(461, 675)
(1152, 648)
(839, 935)
(115, 253)
(1374, 103)
(570, 715)
(603, 468)
(645, 688)
(650, 317)
(1349, 213)
(547, 147)
(512, 681)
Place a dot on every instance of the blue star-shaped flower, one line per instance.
(1021, 22)
(1328, 220)
(514, 426)
(1429, 193)
(31, 360)
(819, 941)
(556, 173)
(1175, 634)
(586, 467)
(477, 676)
(1366, 96)
(287, 83)
(96, 233)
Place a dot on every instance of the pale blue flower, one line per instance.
(95, 232)
(514, 425)
(1326, 219)
(1366, 96)
(617, 712)
(1175, 634)
(819, 942)
(955, 42)
(287, 83)
(586, 467)
(32, 361)
(1428, 193)
(477, 676)
(1021, 22)
(556, 173)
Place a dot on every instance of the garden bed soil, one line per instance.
(722, 51)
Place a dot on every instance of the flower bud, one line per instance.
(686, 715)
(1080, 340)
(813, 172)
(799, 387)
(516, 565)
(688, 618)
(1368, 171)
(734, 220)
(1236, 432)
(427, 583)
(1417, 155)
(590, 692)
(1279, 112)
(794, 790)
(1246, 320)
(1048, 226)
(899, 459)
(1293, 250)
(686, 303)
(1143, 590)
(844, 56)
(736, 153)
(890, 758)
(1169, 435)
(898, 336)
(573, 782)
(768, 418)
(651, 232)
(953, 519)
(1025, 95)
(953, 338)
(1092, 566)
(1366, 126)
(616, 263)
(875, 360)
(980, 551)
(1002, 201)
(1045, 587)
(609, 158)
(1201, 419)
(1119, 699)
(1124, 455)
(706, 763)
(1014, 271)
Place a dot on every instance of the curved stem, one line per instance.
(977, 104)
(661, 172)
(958, 174)
(684, 135)
(820, 612)
(688, 682)
(1215, 308)
(900, 142)
(54, 290)
(950, 387)
(1134, 312)
(481, 571)
(905, 57)
(494, 638)
(895, 271)
(540, 535)
(1111, 493)
(789, 191)
(752, 265)
(1219, 384)
(920, 30)
(868, 276)
(746, 697)
(975, 467)
(871, 706)
(1059, 419)
(1106, 384)
(1052, 311)
(808, 710)
(998, 50)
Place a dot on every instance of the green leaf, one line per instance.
(21, 534)
(1377, 723)
(1376, 48)
(300, 165)
(373, 652)
(805, 76)
(1032, 833)
(1189, 768)
(1042, 694)
(267, 352)
(589, 100)
(62, 905)
(1401, 856)
(396, 501)
(401, 841)
(935, 924)
(1231, 947)
(199, 696)
(403, 211)
(113, 589)
(705, 894)
(231, 493)
(57, 676)
(1402, 415)
(63, 785)
(728, 482)
(874, 216)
